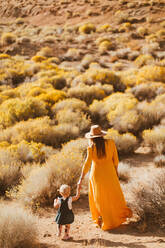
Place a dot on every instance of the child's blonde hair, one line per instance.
(64, 189)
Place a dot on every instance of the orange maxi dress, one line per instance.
(106, 198)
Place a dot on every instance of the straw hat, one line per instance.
(95, 131)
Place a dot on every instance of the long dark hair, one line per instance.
(100, 146)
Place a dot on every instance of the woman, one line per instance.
(106, 200)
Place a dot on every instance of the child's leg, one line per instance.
(59, 230)
(67, 228)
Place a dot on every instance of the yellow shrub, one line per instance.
(75, 118)
(11, 93)
(4, 56)
(126, 143)
(105, 46)
(64, 167)
(152, 73)
(161, 33)
(87, 28)
(72, 104)
(51, 97)
(104, 28)
(28, 151)
(129, 77)
(155, 138)
(8, 38)
(36, 91)
(45, 52)
(14, 110)
(144, 59)
(87, 93)
(38, 58)
(142, 31)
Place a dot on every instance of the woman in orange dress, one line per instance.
(106, 199)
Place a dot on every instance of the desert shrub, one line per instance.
(20, 21)
(103, 76)
(86, 93)
(40, 130)
(64, 167)
(126, 143)
(17, 227)
(87, 60)
(129, 77)
(87, 28)
(104, 28)
(159, 161)
(155, 138)
(142, 31)
(161, 33)
(121, 112)
(124, 172)
(148, 90)
(58, 82)
(76, 119)
(28, 151)
(38, 58)
(35, 91)
(126, 26)
(144, 59)
(4, 56)
(72, 104)
(152, 73)
(153, 111)
(10, 93)
(45, 52)
(8, 38)
(147, 197)
(9, 177)
(51, 96)
(105, 46)
(72, 54)
(14, 110)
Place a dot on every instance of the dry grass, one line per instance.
(17, 227)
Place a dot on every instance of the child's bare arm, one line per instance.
(56, 203)
(76, 197)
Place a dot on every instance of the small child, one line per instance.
(65, 214)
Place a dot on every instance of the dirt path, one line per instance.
(85, 234)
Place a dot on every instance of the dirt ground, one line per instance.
(85, 234)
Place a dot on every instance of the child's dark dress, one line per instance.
(64, 214)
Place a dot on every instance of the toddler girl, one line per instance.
(65, 214)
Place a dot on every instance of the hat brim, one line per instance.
(90, 136)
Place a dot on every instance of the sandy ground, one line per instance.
(85, 234)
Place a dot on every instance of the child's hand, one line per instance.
(56, 204)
